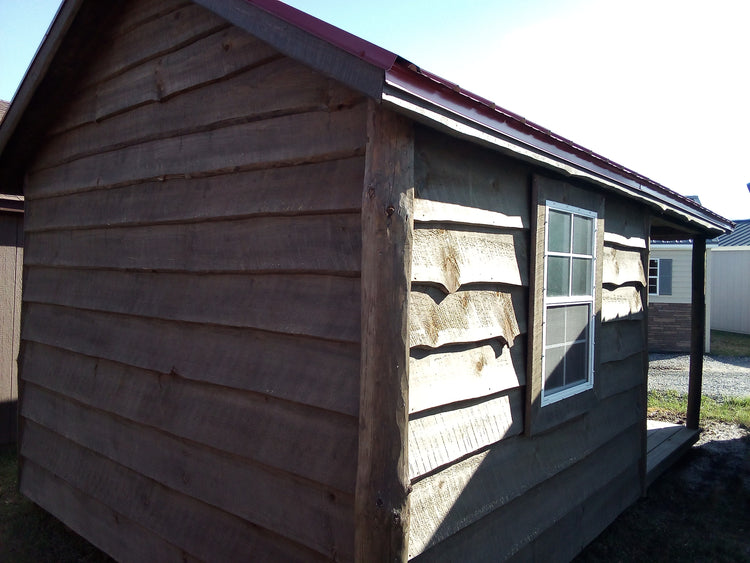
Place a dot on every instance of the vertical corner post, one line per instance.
(382, 486)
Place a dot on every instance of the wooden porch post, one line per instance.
(381, 495)
(697, 332)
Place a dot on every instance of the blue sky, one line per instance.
(659, 86)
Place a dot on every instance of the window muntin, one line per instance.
(653, 276)
(569, 266)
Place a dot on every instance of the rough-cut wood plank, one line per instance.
(180, 520)
(670, 450)
(290, 190)
(616, 377)
(11, 263)
(428, 211)
(507, 529)
(321, 518)
(213, 58)
(622, 303)
(478, 485)
(305, 370)
(381, 509)
(280, 86)
(176, 26)
(458, 256)
(465, 316)
(317, 446)
(287, 139)
(321, 306)
(438, 438)
(619, 340)
(466, 371)
(457, 173)
(111, 532)
(623, 266)
(584, 522)
(316, 243)
(626, 224)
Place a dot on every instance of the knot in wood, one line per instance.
(390, 210)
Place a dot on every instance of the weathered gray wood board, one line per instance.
(11, 265)
(192, 330)
(481, 489)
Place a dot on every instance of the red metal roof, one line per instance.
(450, 96)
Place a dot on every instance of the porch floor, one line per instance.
(666, 442)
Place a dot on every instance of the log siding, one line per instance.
(194, 262)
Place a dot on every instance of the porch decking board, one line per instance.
(666, 443)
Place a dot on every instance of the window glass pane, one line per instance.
(558, 235)
(576, 364)
(554, 368)
(581, 276)
(555, 325)
(576, 322)
(583, 231)
(558, 274)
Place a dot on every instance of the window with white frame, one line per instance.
(568, 302)
(660, 276)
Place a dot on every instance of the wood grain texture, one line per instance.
(321, 518)
(465, 371)
(291, 190)
(180, 520)
(623, 266)
(108, 530)
(619, 340)
(471, 315)
(281, 86)
(381, 501)
(292, 139)
(439, 438)
(509, 528)
(316, 243)
(449, 500)
(303, 370)
(299, 441)
(584, 523)
(470, 180)
(11, 264)
(213, 58)
(428, 211)
(140, 35)
(622, 303)
(626, 224)
(622, 375)
(452, 257)
(321, 306)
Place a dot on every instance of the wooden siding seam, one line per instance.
(260, 530)
(151, 17)
(195, 323)
(344, 417)
(272, 469)
(461, 404)
(207, 128)
(198, 220)
(224, 171)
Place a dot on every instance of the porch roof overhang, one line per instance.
(378, 73)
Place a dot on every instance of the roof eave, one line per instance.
(412, 92)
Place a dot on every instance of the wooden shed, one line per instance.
(290, 297)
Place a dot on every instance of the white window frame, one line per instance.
(549, 301)
(658, 267)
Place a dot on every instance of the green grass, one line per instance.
(729, 343)
(672, 404)
(28, 533)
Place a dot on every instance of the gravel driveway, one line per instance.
(723, 376)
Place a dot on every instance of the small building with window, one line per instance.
(290, 297)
